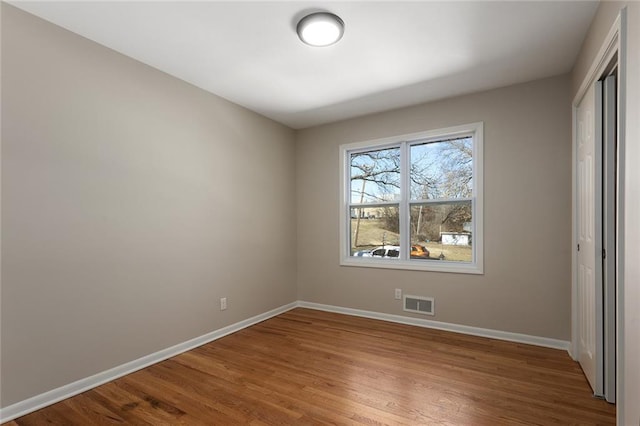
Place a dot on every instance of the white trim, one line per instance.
(609, 206)
(428, 135)
(433, 265)
(438, 325)
(55, 395)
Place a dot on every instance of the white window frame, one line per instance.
(476, 131)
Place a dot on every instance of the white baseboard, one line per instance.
(464, 329)
(55, 395)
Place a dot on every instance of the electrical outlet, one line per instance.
(398, 294)
(223, 303)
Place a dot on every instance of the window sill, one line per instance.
(421, 265)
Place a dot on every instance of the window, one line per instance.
(414, 201)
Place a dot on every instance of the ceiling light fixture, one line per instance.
(320, 29)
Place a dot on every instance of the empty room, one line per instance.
(367, 212)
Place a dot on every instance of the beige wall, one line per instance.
(527, 282)
(628, 407)
(131, 202)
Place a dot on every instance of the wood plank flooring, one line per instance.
(308, 367)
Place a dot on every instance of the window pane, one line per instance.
(443, 230)
(375, 232)
(442, 169)
(375, 176)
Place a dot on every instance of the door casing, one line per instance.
(614, 46)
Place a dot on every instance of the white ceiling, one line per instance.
(393, 54)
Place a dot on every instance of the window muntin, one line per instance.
(420, 195)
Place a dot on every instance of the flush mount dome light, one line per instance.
(320, 29)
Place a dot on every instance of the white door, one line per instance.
(589, 242)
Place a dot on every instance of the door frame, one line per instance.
(614, 44)
(609, 118)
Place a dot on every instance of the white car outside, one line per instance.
(382, 251)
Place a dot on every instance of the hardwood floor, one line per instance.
(311, 367)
